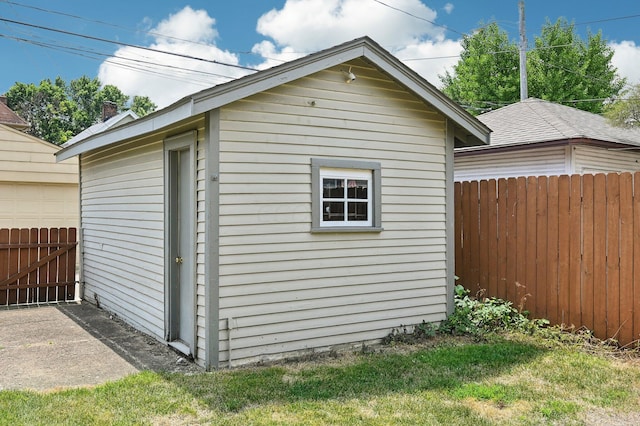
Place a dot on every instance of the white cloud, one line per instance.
(300, 27)
(431, 59)
(311, 25)
(188, 32)
(305, 26)
(448, 8)
(626, 58)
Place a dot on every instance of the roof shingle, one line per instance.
(535, 120)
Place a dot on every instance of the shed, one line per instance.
(541, 138)
(298, 209)
(35, 191)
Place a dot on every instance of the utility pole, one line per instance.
(524, 90)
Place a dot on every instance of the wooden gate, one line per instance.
(37, 265)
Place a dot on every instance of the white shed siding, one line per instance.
(589, 159)
(122, 225)
(523, 162)
(289, 290)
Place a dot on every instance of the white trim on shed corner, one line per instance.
(223, 94)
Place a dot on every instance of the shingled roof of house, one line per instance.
(536, 121)
(10, 118)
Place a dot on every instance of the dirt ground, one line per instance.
(75, 345)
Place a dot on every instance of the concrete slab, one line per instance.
(75, 345)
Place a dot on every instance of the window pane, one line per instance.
(357, 189)
(358, 211)
(333, 211)
(332, 188)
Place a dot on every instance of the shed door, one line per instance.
(181, 247)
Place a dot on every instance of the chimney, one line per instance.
(3, 99)
(109, 109)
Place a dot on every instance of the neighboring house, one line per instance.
(110, 118)
(35, 191)
(289, 211)
(535, 137)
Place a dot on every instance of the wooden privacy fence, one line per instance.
(37, 265)
(569, 244)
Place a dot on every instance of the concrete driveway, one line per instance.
(74, 345)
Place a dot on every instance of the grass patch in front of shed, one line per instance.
(515, 379)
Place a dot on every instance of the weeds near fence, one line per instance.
(481, 317)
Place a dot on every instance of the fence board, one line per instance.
(586, 301)
(563, 249)
(466, 231)
(492, 274)
(14, 258)
(600, 255)
(457, 226)
(474, 234)
(571, 241)
(613, 254)
(521, 241)
(539, 309)
(575, 249)
(4, 264)
(503, 237)
(512, 232)
(530, 282)
(626, 257)
(552, 245)
(483, 241)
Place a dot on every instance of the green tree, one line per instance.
(625, 110)
(561, 68)
(487, 71)
(57, 111)
(142, 105)
(564, 68)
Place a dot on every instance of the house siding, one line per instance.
(35, 191)
(589, 159)
(522, 162)
(286, 290)
(122, 229)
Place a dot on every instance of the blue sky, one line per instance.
(262, 33)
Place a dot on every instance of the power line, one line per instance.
(609, 19)
(419, 17)
(92, 54)
(130, 30)
(41, 27)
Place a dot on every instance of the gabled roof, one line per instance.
(116, 120)
(538, 121)
(10, 118)
(469, 130)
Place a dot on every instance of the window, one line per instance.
(346, 195)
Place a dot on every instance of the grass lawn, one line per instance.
(452, 381)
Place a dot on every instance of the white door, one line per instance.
(181, 250)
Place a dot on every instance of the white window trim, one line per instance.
(371, 171)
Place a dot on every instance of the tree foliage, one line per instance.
(58, 111)
(625, 110)
(487, 71)
(561, 68)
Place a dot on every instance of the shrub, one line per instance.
(479, 316)
(476, 317)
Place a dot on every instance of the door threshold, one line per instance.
(181, 347)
